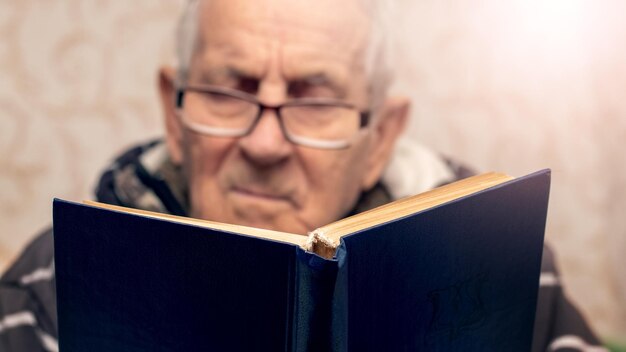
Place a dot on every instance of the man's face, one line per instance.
(278, 50)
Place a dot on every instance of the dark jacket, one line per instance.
(141, 179)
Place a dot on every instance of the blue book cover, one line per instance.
(459, 274)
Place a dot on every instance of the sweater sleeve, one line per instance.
(559, 326)
(28, 300)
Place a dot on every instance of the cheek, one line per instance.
(204, 156)
(334, 179)
(204, 159)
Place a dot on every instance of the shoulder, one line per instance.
(28, 299)
(38, 254)
(144, 177)
(414, 169)
(559, 324)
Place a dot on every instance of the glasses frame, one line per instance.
(364, 116)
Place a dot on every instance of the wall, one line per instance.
(504, 85)
(522, 85)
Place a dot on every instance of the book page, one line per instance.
(324, 240)
(244, 230)
(330, 235)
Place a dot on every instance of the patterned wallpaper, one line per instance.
(78, 85)
(505, 85)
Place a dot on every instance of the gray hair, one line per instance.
(378, 61)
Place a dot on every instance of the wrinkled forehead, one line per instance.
(320, 30)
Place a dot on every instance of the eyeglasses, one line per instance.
(312, 122)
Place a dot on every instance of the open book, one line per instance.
(453, 269)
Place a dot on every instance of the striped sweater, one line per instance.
(144, 178)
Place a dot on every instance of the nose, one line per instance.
(266, 145)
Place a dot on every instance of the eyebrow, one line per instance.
(227, 72)
(318, 79)
(211, 75)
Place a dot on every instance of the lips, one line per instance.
(265, 195)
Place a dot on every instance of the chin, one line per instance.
(281, 226)
(277, 223)
(245, 210)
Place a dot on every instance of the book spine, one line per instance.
(314, 287)
(339, 319)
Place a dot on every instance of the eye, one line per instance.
(248, 84)
(305, 89)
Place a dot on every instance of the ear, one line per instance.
(387, 127)
(167, 92)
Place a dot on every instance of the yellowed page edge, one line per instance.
(298, 240)
(332, 233)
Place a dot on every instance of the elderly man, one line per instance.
(277, 117)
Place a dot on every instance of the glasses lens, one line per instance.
(218, 109)
(321, 122)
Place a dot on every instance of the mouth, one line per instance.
(255, 194)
